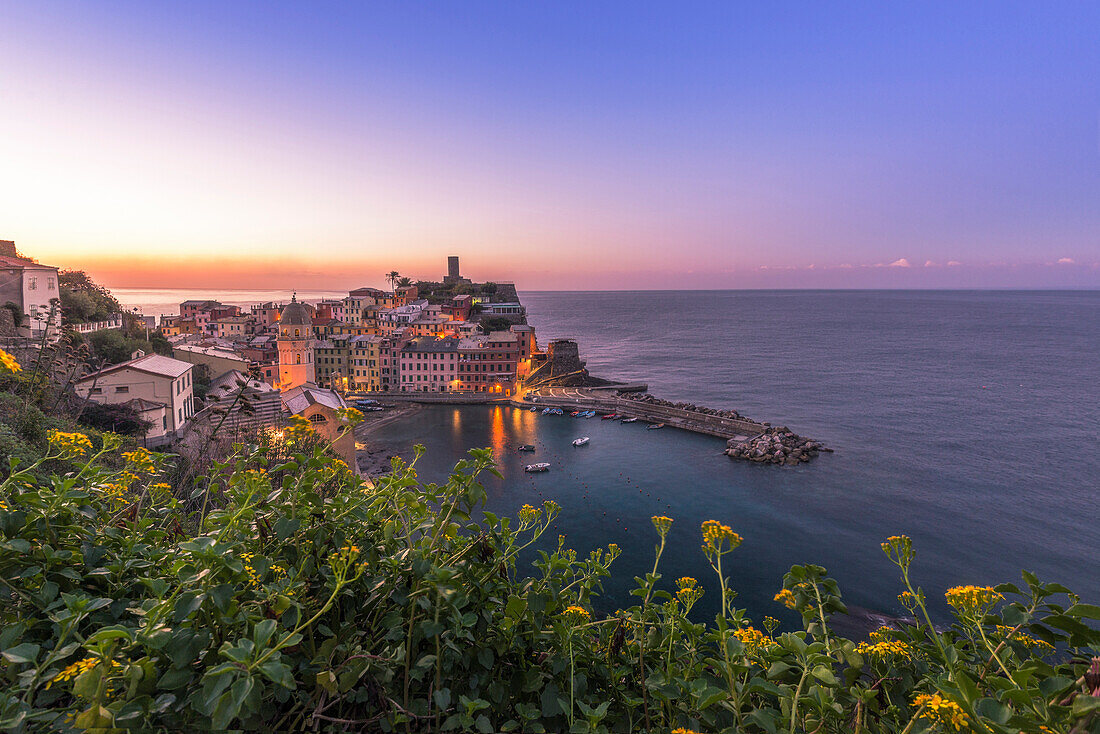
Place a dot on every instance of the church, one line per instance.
(295, 344)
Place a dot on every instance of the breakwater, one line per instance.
(688, 420)
(746, 439)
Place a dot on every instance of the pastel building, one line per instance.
(32, 288)
(429, 365)
(152, 380)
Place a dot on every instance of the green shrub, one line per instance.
(297, 596)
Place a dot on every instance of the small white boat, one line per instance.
(655, 426)
(541, 466)
(629, 420)
(581, 441)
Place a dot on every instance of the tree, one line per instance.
(404, 282)
(392, 277)
(113, 347)
(82, 299)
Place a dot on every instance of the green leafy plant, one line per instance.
(284, 592)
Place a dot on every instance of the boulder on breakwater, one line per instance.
(775, 446)
(648, 399)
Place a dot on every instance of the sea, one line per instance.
(968, 420)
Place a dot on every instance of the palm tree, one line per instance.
(404, 282)
(392, 277)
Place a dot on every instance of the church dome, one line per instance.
(295, 314)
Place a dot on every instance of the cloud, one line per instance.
(1065, 261)
(901, 263)
(930, 264)
(953, 263)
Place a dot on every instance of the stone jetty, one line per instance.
(691, 407)
(765, 444)
(775, 446)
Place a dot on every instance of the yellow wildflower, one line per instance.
(141, 460)
(682, 730)
(885, 649)
(350, 416)
(688, 591)
(899, 549)
(882, 634)
(972, 600)
(72, 444)
(908, 600)
(942, 711)
(662, 524)
(80, 666)
(4, 505)
(771, 624)
(752, 638)
(298, 428)
(8, 362)
(1026, 640)
(787, 597)
(529, 514)
(715, 534)
(575, 615)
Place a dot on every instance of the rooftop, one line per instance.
(153, 364)
(300, 398)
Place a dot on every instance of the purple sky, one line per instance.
(560, 145)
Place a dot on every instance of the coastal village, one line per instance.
(234, 369)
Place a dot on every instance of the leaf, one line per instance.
(993, 710)
(711, 696)
(262, 632)
(1090, 611)
(825, 675)
(22, 653)
(278, 672)
(109, 633)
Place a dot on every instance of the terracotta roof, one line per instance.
(8, 261)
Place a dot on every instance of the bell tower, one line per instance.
(295, 343)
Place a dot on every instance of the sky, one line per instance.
(560, 145)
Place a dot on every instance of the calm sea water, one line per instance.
(967, 420)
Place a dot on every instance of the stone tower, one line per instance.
(295, 341)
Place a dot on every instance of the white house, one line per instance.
(32, 287)
(149, 379)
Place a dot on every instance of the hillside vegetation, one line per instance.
(281, 592)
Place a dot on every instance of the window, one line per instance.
(317, 418)
(122, 388)
(32, 284)
(51, 283)
(96, 390)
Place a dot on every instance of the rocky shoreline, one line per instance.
(374, 459)
(775, 446)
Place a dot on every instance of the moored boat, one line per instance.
(610, 416)
(655, 426)
(630, 420)
(541, 466)
(581, 441)
(526, 447)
